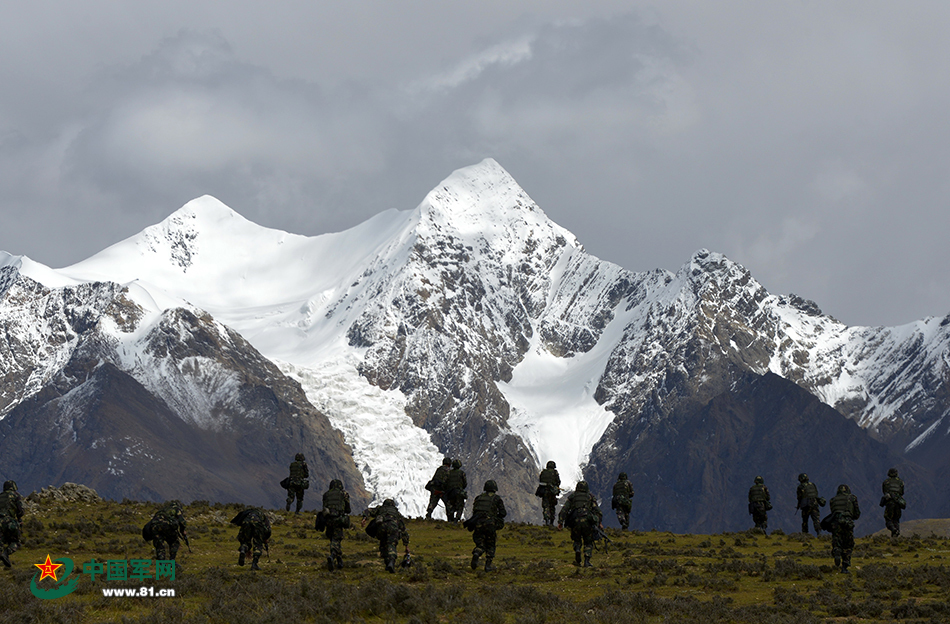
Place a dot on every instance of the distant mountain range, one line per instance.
(194, 359)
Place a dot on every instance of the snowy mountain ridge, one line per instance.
(474, 326)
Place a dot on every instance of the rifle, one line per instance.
(599, 534)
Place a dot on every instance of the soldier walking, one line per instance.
(455, 484)
(436, 487)
(336, 514)
(11, 514)
(488, 517)
(549, 487)
(760, 502)
(622, 500)
(253, 535)
(298, 481)
(809, 502)
(165, 527)
(893, 501)
(581, 514)
(388, 526)
(844, 511)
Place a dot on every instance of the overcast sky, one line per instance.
(808, 141)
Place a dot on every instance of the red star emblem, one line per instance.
(48, 569)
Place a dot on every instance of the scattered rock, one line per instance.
(66, 493)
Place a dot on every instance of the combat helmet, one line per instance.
(9, 486)
(551, 465)
(759, 480)
(491, 486)
(336, 484)
(456, 463)
(582, 486)
(892, 472)
(844, 489)
(803, 477)
(622, 476)
(447, 461)
(389, 503)
(298, 457)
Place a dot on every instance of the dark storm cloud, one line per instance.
(806, 142)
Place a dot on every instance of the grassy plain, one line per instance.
(645, 577)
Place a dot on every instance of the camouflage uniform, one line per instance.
(165, 527)
(388, 526)
(809, 502)
(11, 514)
(844, 511)
(436, 487)
(760, 503)
(581, 514)
(455, 484)
(253, 534)
(488, 516)
(336, 509)
(298, 481)
(548, 489)
(622, 501)
(893, 501)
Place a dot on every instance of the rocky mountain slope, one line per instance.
(474, 326)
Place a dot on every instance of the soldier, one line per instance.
(844, 511)
(436, 487)
(488, 517)
(165, 527)
(622, 500)
(760, 503)
(253, 534)
(548, 489)
(582, 516)
(455, 484)
(388, 526)
(809, 502)
(298, 481)
(336, 514)
(893, 501)
(11, 514)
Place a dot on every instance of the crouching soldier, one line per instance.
(388, 526)
(488, 517)
(582, 516)
(165, 527)
(253, 535)
(11, 514)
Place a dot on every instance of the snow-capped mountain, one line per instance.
(474, 326)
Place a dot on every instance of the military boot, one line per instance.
(475, 556)
(391, 564)
(254, 561)
(242, 551)
(330, 564)
(837, 562)
(488, 566)
(339, 562)
(4, 557)
(587, 563)
(577, 559)
(288, 505)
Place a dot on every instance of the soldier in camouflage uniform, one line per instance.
(165, 527)
(436, 487)
(760, 502)
(253, 534)
(844, 511)
(809, 502)
(455, 484)
(336, 511)
(548, 489)
(581, 514)
(488, 516)
(893, 501)
(11, 514)
(622, 500)
(298, 481)
(388, 526)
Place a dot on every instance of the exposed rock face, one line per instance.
(66, 493)
(180, 408)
